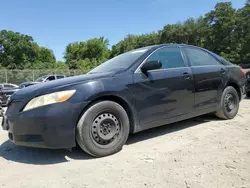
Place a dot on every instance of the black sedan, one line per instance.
(137, 90)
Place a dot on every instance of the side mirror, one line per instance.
(151, 65)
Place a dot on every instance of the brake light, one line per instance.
(243, 72)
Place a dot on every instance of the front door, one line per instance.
(165, 92)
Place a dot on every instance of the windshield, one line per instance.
(40, 79)
(120, 62)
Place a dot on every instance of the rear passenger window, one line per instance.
(170, 57)
(198, 57)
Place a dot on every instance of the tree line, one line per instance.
(224, 30)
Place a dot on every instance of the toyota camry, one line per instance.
(134, 91)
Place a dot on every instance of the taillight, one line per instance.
(243, 72)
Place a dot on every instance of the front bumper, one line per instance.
(51, 126)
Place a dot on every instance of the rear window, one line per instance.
(223, 60)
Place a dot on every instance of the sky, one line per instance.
(56, 23)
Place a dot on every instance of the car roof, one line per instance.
(174, 45)
(180, 45)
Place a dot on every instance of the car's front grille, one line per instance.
(14, 107)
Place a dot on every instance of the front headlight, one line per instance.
(47, 99)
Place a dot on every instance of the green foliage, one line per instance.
(87, 55)
(134, 41)
(18, 51)
(61, 65)
(192, 31)
(46, 58)
(220, 35)
(242, 32)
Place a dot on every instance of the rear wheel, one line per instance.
(229, 104)
(103, 129)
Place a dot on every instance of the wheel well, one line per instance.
(118, 100)
(236, 87)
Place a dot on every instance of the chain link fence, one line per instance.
(19, 76)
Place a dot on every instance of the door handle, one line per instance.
(186, 75)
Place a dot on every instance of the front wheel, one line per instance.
(229, 104)
(103, 129)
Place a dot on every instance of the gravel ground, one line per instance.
(202, 152)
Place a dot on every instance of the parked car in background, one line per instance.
(6, 90)
(248, 83)
(137, 90)
(245, 65)
(45, 78)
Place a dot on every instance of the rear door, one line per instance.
(165, 92)
(209, 78)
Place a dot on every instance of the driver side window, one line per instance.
(170, 57)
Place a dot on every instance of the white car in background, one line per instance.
(45, 78)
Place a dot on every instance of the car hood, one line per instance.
(46, 87)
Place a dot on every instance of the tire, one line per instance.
(248, 94)
(227, 111)
(103, 129)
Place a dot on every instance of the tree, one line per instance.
(46, 57)
(220, 36)
(87, 54)
(18, 51)
(135, 41)
(242, 32)
(61, 65)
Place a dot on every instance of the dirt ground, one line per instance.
(202, 152)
